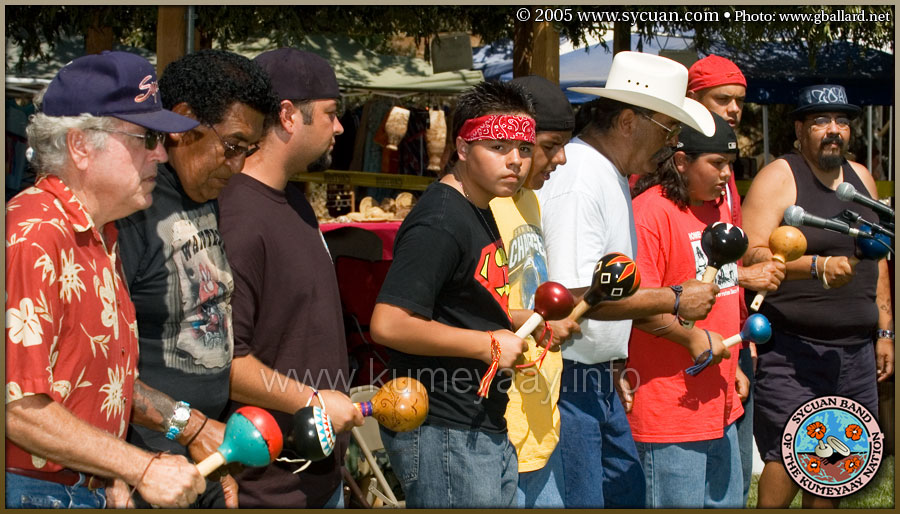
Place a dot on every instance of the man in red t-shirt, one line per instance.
(71, 336)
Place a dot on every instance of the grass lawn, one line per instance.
(878, 494)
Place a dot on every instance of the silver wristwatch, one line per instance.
(178, 421)
(884, 334)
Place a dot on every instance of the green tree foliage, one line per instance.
(29, 26)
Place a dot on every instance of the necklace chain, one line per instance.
(487, 226)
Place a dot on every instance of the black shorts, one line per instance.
(791, 371)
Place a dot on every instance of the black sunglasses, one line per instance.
(151, 138)
(232, 150)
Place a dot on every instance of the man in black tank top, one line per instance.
(831, 319)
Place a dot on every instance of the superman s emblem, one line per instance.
(493, 273)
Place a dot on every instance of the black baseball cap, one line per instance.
(299, 75)
(118, 84)
(824, 98)
(552, 109)
(694, 142)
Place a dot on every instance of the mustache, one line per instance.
(834, 138)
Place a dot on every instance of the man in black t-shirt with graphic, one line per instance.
(175, 263)
(443, 310)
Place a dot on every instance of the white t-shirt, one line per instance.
(586, 213)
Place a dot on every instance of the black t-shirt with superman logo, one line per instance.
(450, 266)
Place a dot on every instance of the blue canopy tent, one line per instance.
(585, 66)
(775, 72)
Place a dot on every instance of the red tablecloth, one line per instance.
(385, 230)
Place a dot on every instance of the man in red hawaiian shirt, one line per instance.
(71, 335)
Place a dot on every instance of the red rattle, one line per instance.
(552, 301)
(252, 437)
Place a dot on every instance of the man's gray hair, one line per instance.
(47, 136)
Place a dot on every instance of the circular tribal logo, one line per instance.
(832, 446)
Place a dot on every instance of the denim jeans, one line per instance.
(695, 475)
(31, 493)
(542, 488)
(602, 467)
(744, 423)
(442, 467)
(337, 499)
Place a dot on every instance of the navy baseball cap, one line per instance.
(118, 84)
(299, 75)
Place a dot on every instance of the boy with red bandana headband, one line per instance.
(443, 311)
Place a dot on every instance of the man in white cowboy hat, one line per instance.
(827, 311)
(587, 214)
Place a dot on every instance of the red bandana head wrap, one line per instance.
(498, 126)
(712, 71)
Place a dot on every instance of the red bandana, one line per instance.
(498, 126)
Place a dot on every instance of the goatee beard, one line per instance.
(320, 164)
(828, 162)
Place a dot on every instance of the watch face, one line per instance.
(181, 414)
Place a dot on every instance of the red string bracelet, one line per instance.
(540, 360)
(492, 370)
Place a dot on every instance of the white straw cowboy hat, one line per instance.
(655, 83)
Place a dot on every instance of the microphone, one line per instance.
(848, 193)
(853, 217)
(796, 216)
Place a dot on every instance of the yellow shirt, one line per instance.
(532, 416)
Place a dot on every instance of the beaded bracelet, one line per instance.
(812, 268)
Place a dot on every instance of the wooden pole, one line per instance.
(98, 37)
(621, 37)
(170, 35)
(523, 41)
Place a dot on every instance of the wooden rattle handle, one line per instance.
(211, 463)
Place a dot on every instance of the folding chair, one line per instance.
(368, 438)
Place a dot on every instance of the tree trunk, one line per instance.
(536, 50)
(621, 37)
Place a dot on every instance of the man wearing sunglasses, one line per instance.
(832, 321)
(286, 304)
(71, 347)
(586, 213)
(174, 258)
